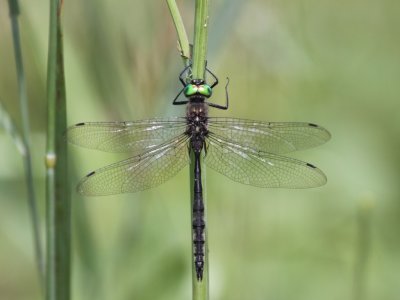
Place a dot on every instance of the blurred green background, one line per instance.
(334, 63)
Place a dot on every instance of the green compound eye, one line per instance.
(205, 90)
(190, 90)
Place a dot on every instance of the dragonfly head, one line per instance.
(197, 88)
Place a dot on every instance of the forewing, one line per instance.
(139, 172)
(136, 136)
(261, 169)
(272, 137)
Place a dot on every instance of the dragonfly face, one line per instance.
(198, 90)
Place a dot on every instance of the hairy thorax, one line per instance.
(196, 116)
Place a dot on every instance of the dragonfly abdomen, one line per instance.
(198, 234)
(198, 223)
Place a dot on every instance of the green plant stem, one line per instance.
(23, 103)
(200, 39)
(180, 30)
(58, 200)
(200, 288)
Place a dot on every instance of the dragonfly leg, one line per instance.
(175, 102)
(181, 75)
(224, 107)
(213, 75)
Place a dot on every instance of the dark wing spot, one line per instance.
(80, 124)
(308, 165)
(313, 125)
(90, 174)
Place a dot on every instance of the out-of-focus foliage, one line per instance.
(327, 62)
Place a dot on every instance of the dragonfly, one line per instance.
(246, 151)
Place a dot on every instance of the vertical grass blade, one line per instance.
(23, 103)
(200, 39)
(58, 200)
(10, 127)
(180, 30)
(200, 288)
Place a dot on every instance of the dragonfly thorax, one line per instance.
(196, 116)
(196, 112)
(197, 89)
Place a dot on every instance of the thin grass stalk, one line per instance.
(200, 39)
(183, 41)
(200, 289)
(58, 200)
(26, 154)
(10, 127)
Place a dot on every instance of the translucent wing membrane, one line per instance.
(258, 168)
(243, 150)
(269, 137)
(139, 172)
(137, 137)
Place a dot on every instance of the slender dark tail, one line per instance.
(198, 223)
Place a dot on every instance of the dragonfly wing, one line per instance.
(139, 172)
(262, 169)
(273, 137)
(136, 137)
